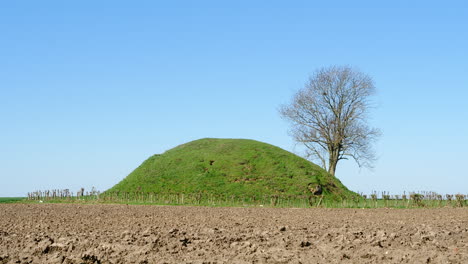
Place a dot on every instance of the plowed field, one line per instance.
(71, 233)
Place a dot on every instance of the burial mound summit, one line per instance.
(230, 167)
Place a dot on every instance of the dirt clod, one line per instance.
(305, 244)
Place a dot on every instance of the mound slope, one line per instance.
(229, 166)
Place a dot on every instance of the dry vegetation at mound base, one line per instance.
(70, 233)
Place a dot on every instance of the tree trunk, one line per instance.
(333, 161)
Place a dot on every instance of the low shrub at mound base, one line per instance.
(238, 167)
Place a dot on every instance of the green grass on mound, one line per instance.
(238, 167)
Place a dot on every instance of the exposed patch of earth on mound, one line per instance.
(70, 233)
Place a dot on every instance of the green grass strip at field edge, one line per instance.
(12, 199)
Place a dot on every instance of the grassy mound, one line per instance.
(229, 167)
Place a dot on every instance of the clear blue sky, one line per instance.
(90, 89)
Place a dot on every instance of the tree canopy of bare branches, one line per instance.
(329, 117)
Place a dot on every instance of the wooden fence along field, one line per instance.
(374, 200)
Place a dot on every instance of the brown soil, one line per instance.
(70, 233)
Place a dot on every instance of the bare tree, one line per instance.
(329, 117)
